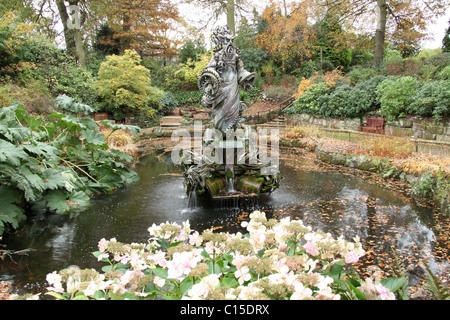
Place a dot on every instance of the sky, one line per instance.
(437, 30)
(194, 14)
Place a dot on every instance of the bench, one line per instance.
(172, 121)
(373, 125)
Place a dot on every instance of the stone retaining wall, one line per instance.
(413, 127)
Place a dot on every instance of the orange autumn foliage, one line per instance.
(287, 37)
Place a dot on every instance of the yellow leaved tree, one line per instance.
(125, 84)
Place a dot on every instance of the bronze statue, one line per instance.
(221, 79)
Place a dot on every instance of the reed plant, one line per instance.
(120, 140)
(385, 147)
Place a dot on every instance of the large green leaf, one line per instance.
(125, 127)
(67, 103)
(33, 184)
(10, 211)
(394, 284)
(79, 199)
(14, 132)
(42, 149)
(56, 200)
(10, 126)
(11, 154)
(94, 137)
(62, 202)
(54, 179)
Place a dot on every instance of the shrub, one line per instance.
(308, 68)
(278, 260)
(168, 103)
(278, 93)
(444, 74)
(360, 74)
(395, 94)
(365, 96)
(339, 103)
(393, 63)
(432, 99)
(302, 87)
(126, 85)
(187, 97)
(253, 59)
(313, 98)
(434, 65)
(191, 70)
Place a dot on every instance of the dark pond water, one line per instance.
(331, 202)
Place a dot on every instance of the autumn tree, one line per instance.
(287, 38)
(408, 18)
(140, 25)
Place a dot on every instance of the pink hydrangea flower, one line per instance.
(351, 257)
(311, 248)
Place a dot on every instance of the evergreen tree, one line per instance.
(446, 40)
(106, 43)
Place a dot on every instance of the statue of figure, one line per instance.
(221, 79)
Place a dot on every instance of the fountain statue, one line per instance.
(231, 166)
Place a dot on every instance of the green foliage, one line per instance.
(55, 164)
(13, 37)
(366, 99)
(188, 96)
(446, 40)
(252, 95)
(190, 70)
(308, 68)
(191, 51)
(311, 101)
(432, 99)
(68, 104)
(168, 103)
(329, 35)
(444, 74)
(395, 94)
(253, 59)
(434, 65)
(435, 286)
(360, 74)
(125, 85)
(106, 43)
(425, 187)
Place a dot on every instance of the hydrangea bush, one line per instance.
(276, 259)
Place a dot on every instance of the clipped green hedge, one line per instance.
(392, 96)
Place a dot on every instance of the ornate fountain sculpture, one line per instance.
(243, 174)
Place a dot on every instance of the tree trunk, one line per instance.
(230, 16)
(380, 33)
(79, 47)
(72, 36)
(68, 33)
(126, 27)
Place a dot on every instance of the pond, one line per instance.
(335, 202)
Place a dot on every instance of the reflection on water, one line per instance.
(331, 202)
